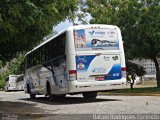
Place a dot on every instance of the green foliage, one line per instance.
(13, 67)
(24, 23)
(139, 21)
(2, 83)
(134, 70)
(133, 17)
(0, 64)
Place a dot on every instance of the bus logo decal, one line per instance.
(115, 58)
(96, 33)
(99, 70)
(91, 32)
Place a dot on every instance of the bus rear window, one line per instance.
(96, 39)
(13, 78)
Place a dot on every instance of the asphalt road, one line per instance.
(19, 106)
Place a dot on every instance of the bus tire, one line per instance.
(32, 96)
(49, 92)
(90, 95)
(60, 97)
(6, 89)
(28, 89)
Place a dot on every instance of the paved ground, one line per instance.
(18, 105)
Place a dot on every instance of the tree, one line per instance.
(139, 21)
(13, 68)
(24, 23)
(134, 70)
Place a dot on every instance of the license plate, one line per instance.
(99, 78)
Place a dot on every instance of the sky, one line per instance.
(66, 24)
(62, 26)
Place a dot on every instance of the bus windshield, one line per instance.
(13, 78)
(96, 39)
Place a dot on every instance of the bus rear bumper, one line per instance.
(75, 86)
(12, 88)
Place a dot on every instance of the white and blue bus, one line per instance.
(10, 83)
(81, 59)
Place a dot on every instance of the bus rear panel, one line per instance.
(98, 59)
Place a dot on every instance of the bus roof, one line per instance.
(13, 75)
(92, 26)
(71, 28)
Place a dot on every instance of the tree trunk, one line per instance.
(157, 71)
(131, 86)
(132, 83)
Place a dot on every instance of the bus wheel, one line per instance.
(32, 96)
(6, 89)
(49, 92)
(60, 97)
(90, 95)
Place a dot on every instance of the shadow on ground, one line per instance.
(18, 107)
(27, 109)
(68, 100)
(19, 110)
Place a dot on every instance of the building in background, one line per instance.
(148, 65)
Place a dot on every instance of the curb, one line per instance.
(131, 94)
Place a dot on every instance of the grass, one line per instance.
(139, 90)
(147, 83)
(147, 88)
(149, 91)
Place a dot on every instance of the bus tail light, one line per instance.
(123, 69)
(72, 74)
